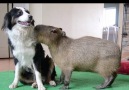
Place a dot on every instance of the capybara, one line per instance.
(83, 54)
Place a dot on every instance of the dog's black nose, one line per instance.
(30, 17)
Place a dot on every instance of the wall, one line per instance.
(87, 20)
(76, 19)
(25, 5)
(36, 11)
(120, 23)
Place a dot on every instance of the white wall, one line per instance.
(59, 15)
(76, 19)
(36, 11)
(25, 5)
(87, 20)
(120, 23)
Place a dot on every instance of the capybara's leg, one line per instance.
(108, 81)
(67, 76)
(61, 78)
(114, 75)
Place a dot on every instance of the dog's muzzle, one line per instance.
(27, 23)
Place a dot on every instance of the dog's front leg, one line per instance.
(16, 78)
(38, 79)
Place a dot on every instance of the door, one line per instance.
(4, 52)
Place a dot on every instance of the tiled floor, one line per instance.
(6, 64)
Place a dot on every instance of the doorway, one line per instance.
(110, 22)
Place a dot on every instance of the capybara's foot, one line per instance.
(60, 82)
(64, 88)
(101, 87)
(108, 81)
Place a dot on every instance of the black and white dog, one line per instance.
(31, 64)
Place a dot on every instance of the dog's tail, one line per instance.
(27, 77)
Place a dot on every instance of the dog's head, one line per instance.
(17, 16)
(48, 34)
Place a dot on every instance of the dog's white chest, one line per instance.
(23, 43)
(25, 55)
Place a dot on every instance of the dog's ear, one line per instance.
(7, 21)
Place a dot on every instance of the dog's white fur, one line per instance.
(21, 37)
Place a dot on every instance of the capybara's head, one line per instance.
(48, 34)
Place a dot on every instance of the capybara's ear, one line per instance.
(63, 33)
(56, 30)
(59, 31)
(60, 28)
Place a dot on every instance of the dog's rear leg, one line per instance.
(108, 81)
(34, 85)
(51, 75)
(16, 77)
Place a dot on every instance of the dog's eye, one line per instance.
(19, 13)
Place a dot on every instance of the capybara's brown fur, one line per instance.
(82, 54)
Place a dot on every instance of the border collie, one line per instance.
(31, 64)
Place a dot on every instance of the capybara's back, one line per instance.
(94, 54)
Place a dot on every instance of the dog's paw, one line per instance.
(52, 83)
(34, 85)
(13, 85)
(41, 87)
